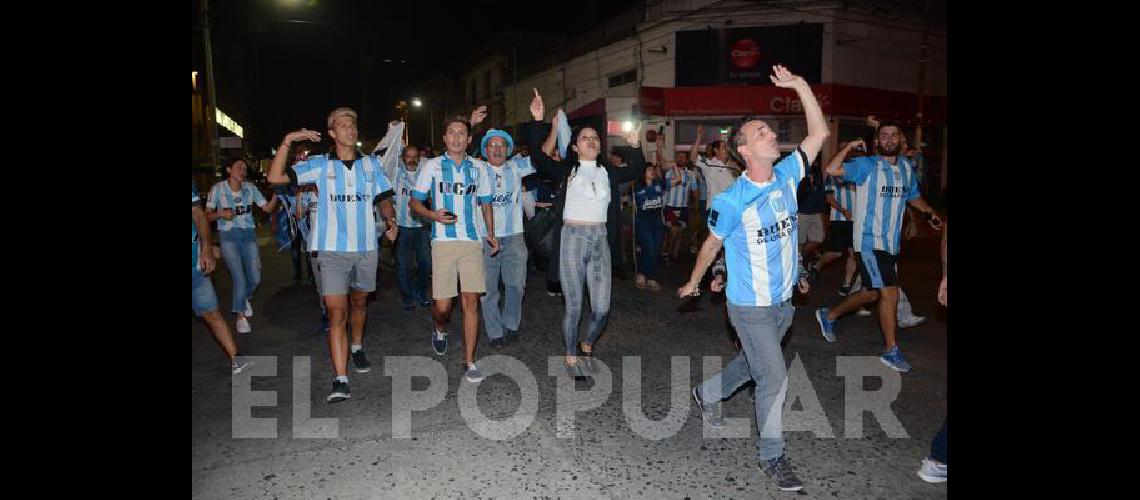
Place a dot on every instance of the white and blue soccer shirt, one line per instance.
(844, 192)
(758, 224)
(880, 200)
(458, 189)
(506, 197)
(221, 198)
(678, 195)
(344, 220)
(404, 182)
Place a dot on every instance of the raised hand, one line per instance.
(478, 115)
(784, 78)
(633, 137)
(301, 135)
(537, 108)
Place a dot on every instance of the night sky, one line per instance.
(294, 60)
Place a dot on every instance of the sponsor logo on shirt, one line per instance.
(501, 200)
(892, 191)
(780, 230)
(457, 188)
(347, 198)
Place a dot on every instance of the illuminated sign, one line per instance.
(227, 122)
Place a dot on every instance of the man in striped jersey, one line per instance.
(755, 221)
(510, 262)
(841, 198)
(886, 183)
(414, 237)
(344, 232)
(458, 185)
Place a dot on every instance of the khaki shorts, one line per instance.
(452, 260)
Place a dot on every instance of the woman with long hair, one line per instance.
(231, 203)
(587, 197)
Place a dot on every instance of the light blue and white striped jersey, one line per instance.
(759, 226)
(404, 182)
(344, 220)
(241, 202)
(458, 189)
(678, 195)
(506, 196)
(880, 200)
(844, 192)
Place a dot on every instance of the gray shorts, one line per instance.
(810, 228)
(341, 270)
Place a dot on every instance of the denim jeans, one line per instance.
(202, 297)
(510, 265)
(938, 448)
(649, 232)
(761, 359)
(417, 241)
(239, 250)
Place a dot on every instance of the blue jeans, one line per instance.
(510, 264)
(585, 263)
(649, 231)
(239, 250)
(202, 297)
(417, 240)
(761, 359)
(938, 448)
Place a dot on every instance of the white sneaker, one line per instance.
(473, 374)
(863, 312)
(248, 309)
(240, 363)
(932, 471)
(912, 321)
(243, 325)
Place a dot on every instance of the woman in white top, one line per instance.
(587, 197)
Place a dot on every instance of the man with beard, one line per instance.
(886, 183)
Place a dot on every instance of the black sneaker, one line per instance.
(780, 471)
(339, 393)
(510, 334)
(361, 362)
(710, 413)
(553, 288)
(425, 303)
(439, 343)
(497, 342)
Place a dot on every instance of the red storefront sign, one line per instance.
(843, 100)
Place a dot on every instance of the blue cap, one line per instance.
(497, 133)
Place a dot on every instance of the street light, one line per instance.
(416, 102)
